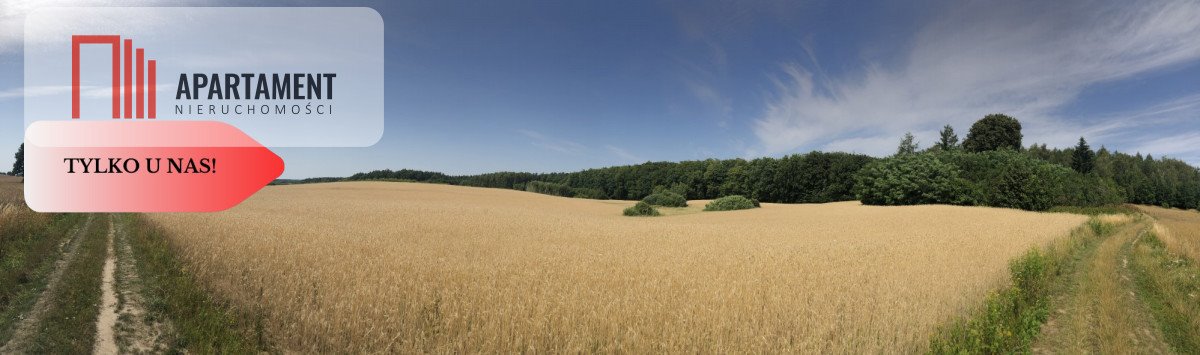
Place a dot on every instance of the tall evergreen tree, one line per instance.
(1083, 159)
(907, 145)
(949, 140)
(19, 165)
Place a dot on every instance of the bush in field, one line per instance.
(910, 179)
(730, 203)
(641, 209)
(676, 188)
(666, 199)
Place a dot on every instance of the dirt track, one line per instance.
(29, 323)
(1101, 312)
(122, 325)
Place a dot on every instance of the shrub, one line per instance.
(911, 179)
(1090, 190)
(1025, 183)
(666, 199)
(730, 203)
(1007, 178)
(641, 209)
(680, 189)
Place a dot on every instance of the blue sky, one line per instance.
(545, 86)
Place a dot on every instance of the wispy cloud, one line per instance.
(1166, 130)
(39, 91)
(540, 140)
(12, 17)
(707, 28)
(721, 105)
(1180, 146)
(1025, 58)
(624, 154)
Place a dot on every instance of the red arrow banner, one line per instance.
(143, 166)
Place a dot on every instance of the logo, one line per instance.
(145, 77)
(274, 73)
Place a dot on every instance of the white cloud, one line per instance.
(13, 12)
(709, 96)
(51, 90)
(19, 92)
(1167, 130)
(1180, 146)
(1025, 58)
(624, 154)
(540, 140)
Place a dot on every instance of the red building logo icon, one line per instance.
(145, 105)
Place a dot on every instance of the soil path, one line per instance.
(136, 331)
(106, 322)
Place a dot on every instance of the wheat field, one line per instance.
(401, 267)
(1179, 230)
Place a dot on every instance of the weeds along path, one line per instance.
(135, 330)
(1168, 277)
(1100, 312)
(123, 325)
(93, 300)
(26, 330)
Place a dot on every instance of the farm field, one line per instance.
(1179, 230)
(403, 267)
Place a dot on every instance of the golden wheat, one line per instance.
(11, 190)
(400, 267)
(1181, 234)
(12, 203)
(1114, 219)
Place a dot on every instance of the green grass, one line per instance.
(1169, 285)
(1011, 318)
(69, 325)
(29, 246)
(202, 324)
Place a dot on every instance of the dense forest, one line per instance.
(990, 167)
(812, 177)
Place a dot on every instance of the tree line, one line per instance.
(799, 178)
(989, 168)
